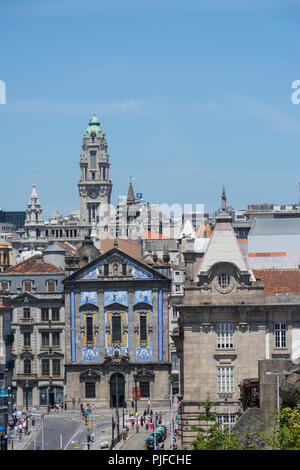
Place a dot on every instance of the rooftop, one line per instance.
(33, 265)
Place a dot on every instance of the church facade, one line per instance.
(117, 332)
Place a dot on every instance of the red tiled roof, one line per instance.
(33, 265)
(279, 280)
(128, 246)
(151, 235)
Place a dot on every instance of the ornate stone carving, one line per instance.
(144, 373)
(88, 374)
(117, 358)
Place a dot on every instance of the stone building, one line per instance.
(227, 322)
(117, 331)
(38, 328)
(6, 341)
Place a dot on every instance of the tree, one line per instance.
(214, 437)
(286, 431)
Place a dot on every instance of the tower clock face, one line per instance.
(93, 193)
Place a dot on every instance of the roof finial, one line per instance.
(223, 199)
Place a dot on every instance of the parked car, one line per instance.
(150, 443)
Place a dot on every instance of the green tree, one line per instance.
(213, 437)
(286, 431)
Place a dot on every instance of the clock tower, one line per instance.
(94, 185)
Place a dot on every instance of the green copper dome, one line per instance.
(94, 126)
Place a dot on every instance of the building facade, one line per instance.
(38, 329)
(227, 322)
(117, 332)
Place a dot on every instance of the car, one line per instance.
(159, 436)
(150, 443)
(161, 429)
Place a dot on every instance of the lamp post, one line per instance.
(172, 396)
(229, 414)
(117, 408)
(135, 389)
(26, 396)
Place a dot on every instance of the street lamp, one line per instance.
(278, 374)
(135, 389)
(229, 414)
(117, 407)
(171, 396)
(26, 395)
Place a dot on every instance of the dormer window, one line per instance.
(224, 280)
(27, 286)
(51, 286)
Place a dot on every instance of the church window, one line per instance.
(90, 390)
(106, 269)
(224, 280)
(124, 269)
(89, 330)
(116, 329)
(145, 389)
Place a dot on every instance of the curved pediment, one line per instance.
(88, 306)
(142, 306)
(116, 306)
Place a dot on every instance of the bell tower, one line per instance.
(94, 185)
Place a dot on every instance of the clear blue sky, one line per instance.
(191, 94)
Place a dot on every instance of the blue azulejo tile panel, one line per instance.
(89, 354)
(109, 351)
(143, 295)
(88, 297)
(119, 296)
(144, 353)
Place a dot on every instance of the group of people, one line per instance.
(56, 406)
(20, 427)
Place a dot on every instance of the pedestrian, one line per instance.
(125, 404)
(65, 406)
(132, 403)
(137, 427)
(62, 406)
(73, 402)
(151, 413)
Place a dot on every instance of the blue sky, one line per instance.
(191, 95)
